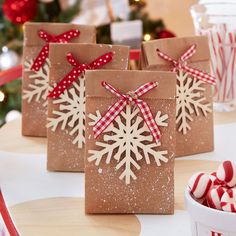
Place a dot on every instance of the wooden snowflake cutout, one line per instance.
(190, 100)
(39, 88)
(128, 140)
(71, 113)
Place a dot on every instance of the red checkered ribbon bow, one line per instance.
(77, 71)
(180, 64)
(131, 97)
(49, 38)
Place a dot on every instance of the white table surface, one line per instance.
(23, 177)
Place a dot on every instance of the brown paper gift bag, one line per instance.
(126, 171)
(194, 116)
(66, 115)
(35, 83)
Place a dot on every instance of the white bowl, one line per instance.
(206, 221)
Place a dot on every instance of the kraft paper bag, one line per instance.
(35, 83)
(194, 113)
(66, 114)
(126, 171)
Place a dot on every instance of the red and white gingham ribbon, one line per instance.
(180, 64)
(131, 97)
(77, 71)
(50, 38)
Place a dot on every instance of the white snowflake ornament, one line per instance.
(71, 112)
(38, 89)
(190, 100)
(127, 140)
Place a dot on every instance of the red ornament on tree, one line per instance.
(19, 11)
(165, 34)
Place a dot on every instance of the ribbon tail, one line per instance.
(101, 61)
(145, 88)
(149, 120)
(200, 75)
(45, 35)
(65, 83)
(165, 56)
(111, 114)
(111, 89)
(71, 59)
(189, 53)
(40, 59)
(68, 35)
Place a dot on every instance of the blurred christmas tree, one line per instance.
(152, 29)
(13, 13)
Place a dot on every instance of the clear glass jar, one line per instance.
(217, 20)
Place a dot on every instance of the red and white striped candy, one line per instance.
(214, 179)
(227, 173)
(214, 197)
(228, 200)
(199, 184)
(202, 201)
